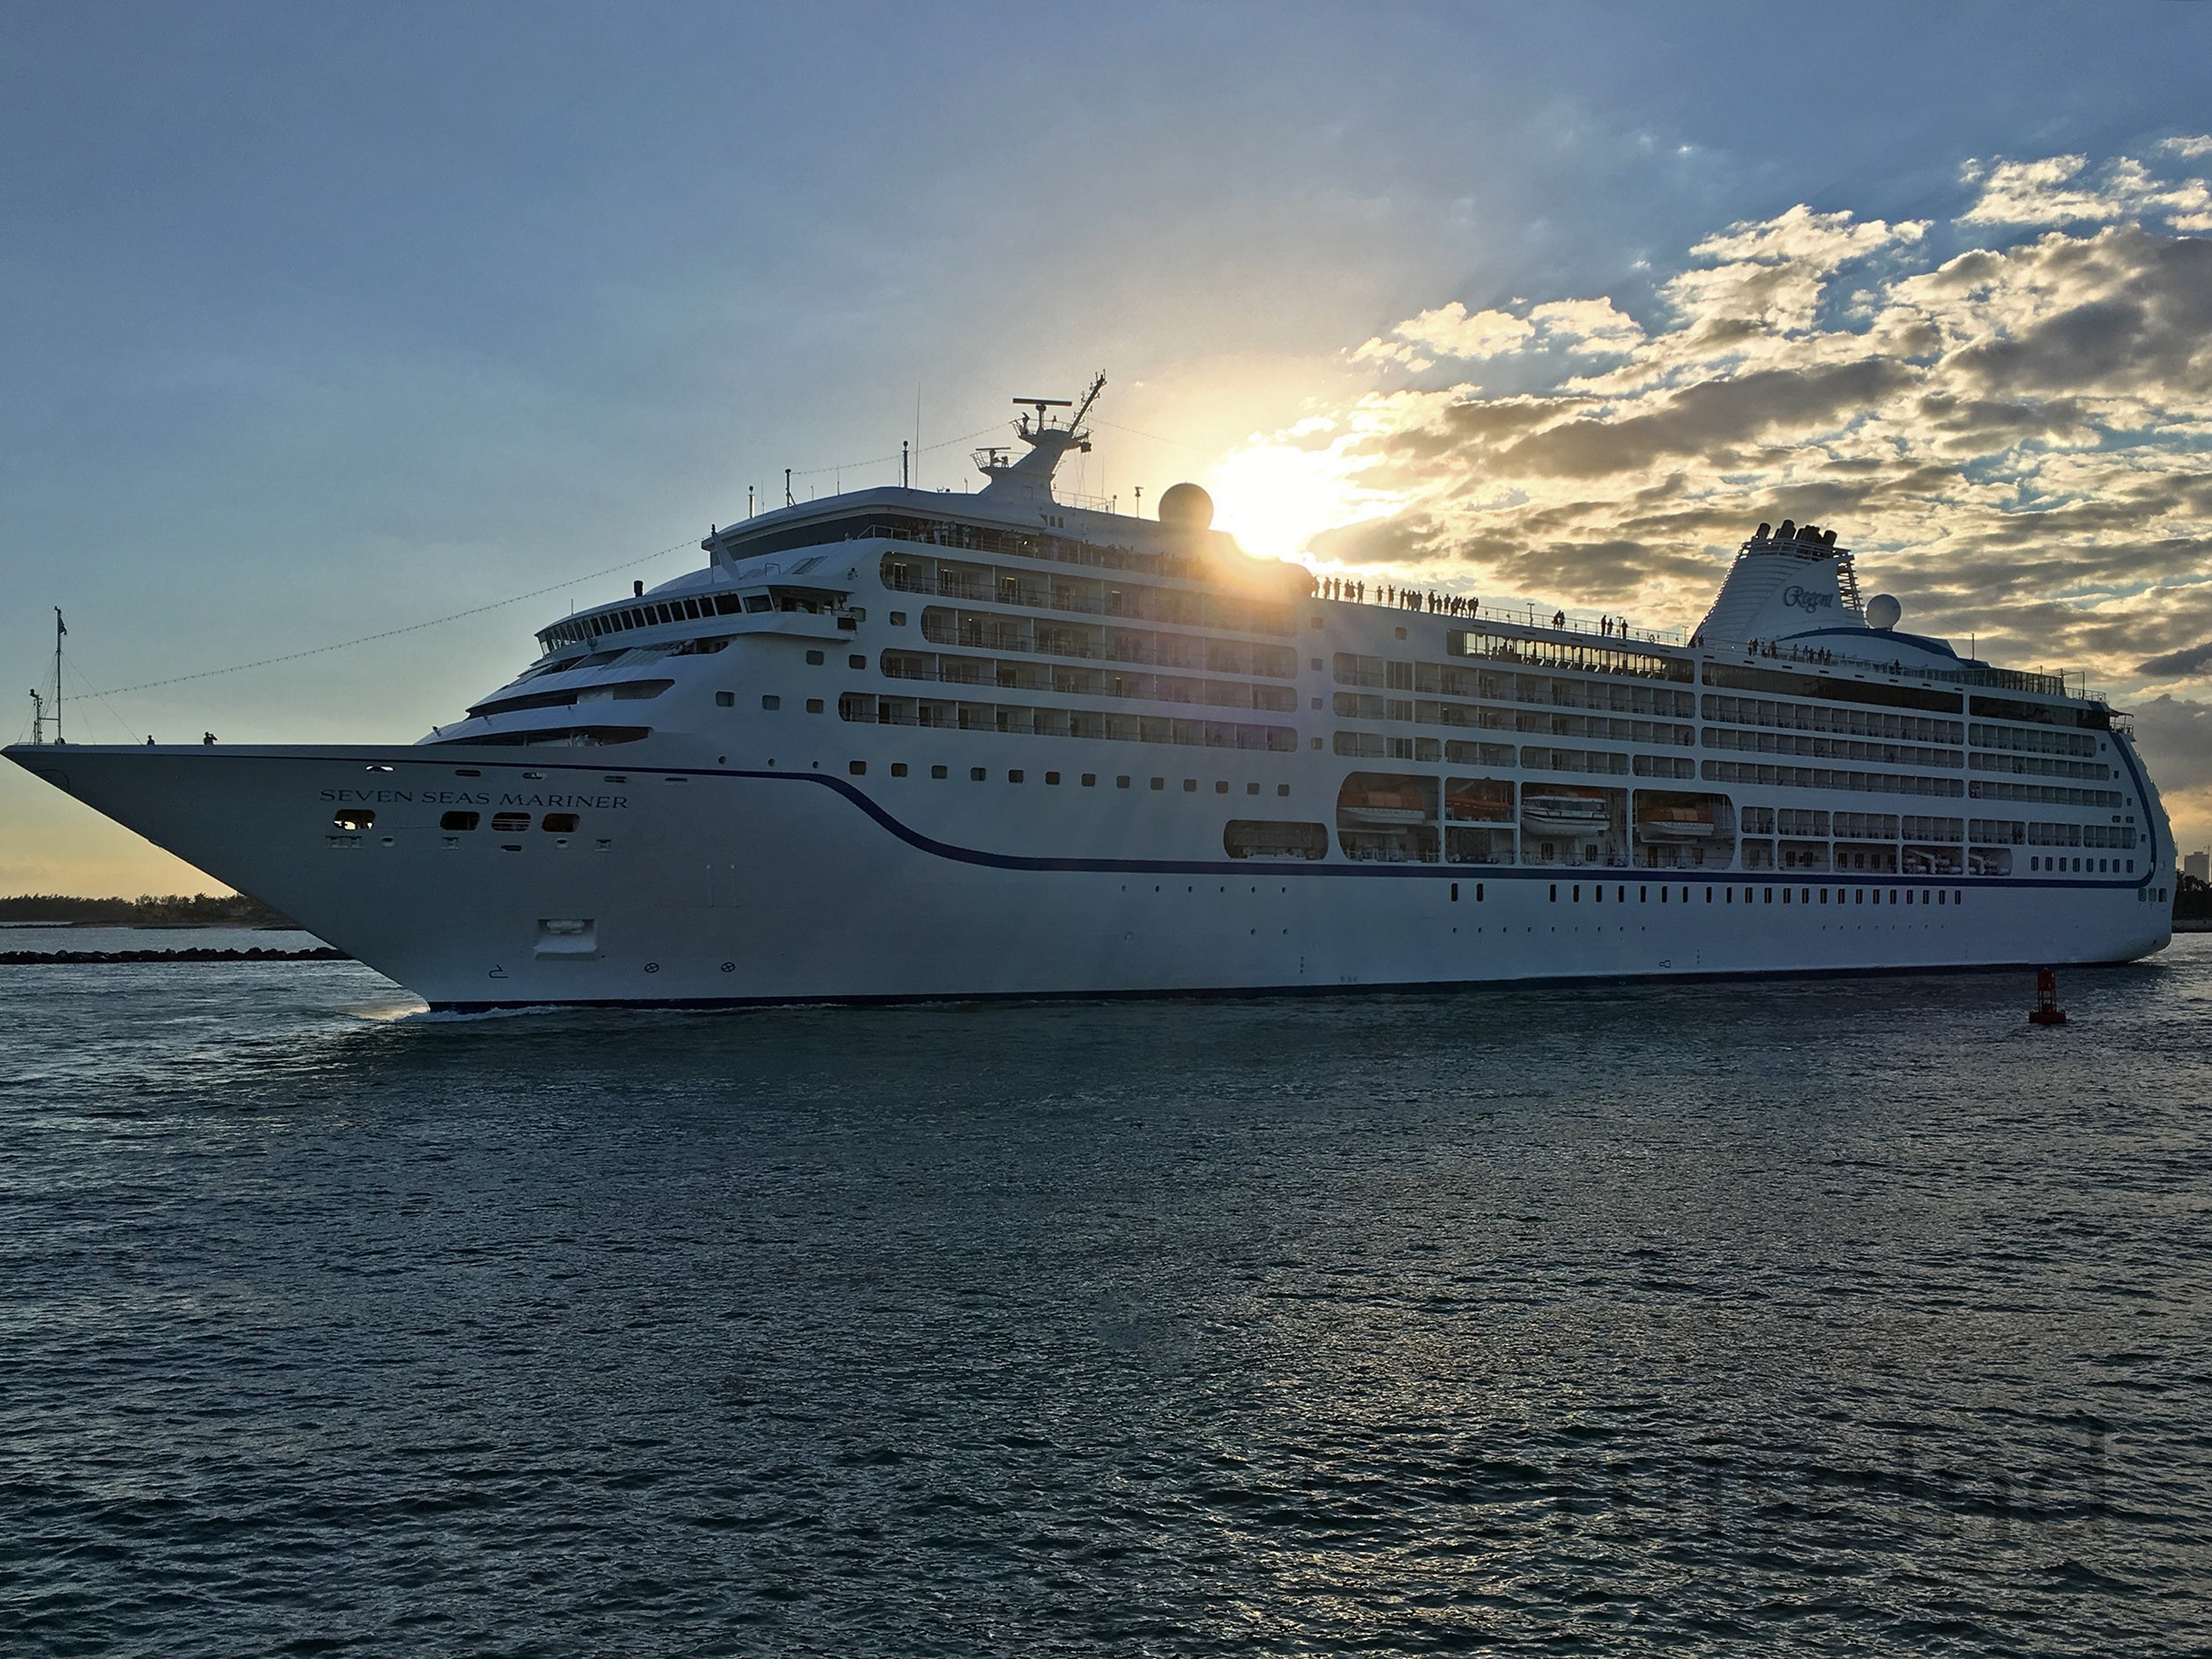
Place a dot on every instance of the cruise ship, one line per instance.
(907, 743)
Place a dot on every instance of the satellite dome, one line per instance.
(1187, 507)
(1883, 610)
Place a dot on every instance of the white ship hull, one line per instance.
(722, 885)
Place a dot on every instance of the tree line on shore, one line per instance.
(2192, 900)
(189, 910)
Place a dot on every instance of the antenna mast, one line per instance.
(1097, 385)
(60, 628)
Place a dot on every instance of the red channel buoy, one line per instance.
(2046, 1011)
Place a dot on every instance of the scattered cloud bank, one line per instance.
(2008, 413)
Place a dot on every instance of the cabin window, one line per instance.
(898, 619)
(1189, 786)
(813, 658)
(939, 771)
(1052, 777)
(725, 699)
(1090, 780)
(898, 768)
(1220, 786)
(459, 821)
(466, 771)
(1282, 792)
(1455, 892)
(856, 662)
(1014, 776)
(977, 773)
(1159, 783)
(814, 705)
(771, 702)
(508, 823)
(558, 823)
(858, 768)
(353, 817)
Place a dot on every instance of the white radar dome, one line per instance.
(1883, 610)
(1187, 507)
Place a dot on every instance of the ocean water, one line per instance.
(1812, 1317)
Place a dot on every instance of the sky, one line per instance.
(324, 323)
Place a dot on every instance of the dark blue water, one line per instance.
(1837, 1318)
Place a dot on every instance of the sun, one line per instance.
(1276, 497)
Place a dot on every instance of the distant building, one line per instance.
(2199, 865)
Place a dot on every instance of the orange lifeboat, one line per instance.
(1676, 824)
(1382, 808)
(1481, 802)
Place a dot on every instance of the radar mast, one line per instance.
(1028, 480)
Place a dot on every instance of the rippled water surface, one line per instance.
(1840, 1316)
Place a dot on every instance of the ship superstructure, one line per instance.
(903, 744)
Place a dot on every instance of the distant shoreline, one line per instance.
(190, 953)
(164, 926)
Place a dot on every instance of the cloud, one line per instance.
(2015, 434)
(1452, 331)
(2184, 664)
(2063, 190)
